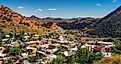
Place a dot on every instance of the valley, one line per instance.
(55, 40)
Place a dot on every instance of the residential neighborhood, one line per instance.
(48, 49)
(60, 31)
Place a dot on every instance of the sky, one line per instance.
(62, 8)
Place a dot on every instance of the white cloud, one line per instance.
(20, 7)
(114, 0)
(52, 9)
(98, 4)
(39, 9)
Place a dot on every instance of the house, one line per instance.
(43, 47)
(35, 37)
(105, 43)
(26, 37)
(31, 43)
(106, 51)
(61, 38)
(74, 49)
(80, 43)
(51, 51)
(72, 44)
(2, 49)
(2, 55)
(16, 44)
(31, 49)
(54, 45)
(66, 47)
(99, 49)
(65, 41)
(68, 53)
(107, 54)
(55, 49)
(41, 53)
(83, 46)
(100, 43)
(4, 40)
(45, 61)
(51, 57)
(24, 55)
(7, 36)
(48, 42)
(34, 43)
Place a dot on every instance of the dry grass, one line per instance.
(116, 59)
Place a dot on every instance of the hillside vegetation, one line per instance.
(109, 26)
(11, 21)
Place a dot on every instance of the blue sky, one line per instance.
(62, 8)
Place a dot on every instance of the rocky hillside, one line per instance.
(108, 26)
(70, 24)
(10, 21)
(79, 24)
(51, 25)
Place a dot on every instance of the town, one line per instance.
(60, 31)
(44, 50)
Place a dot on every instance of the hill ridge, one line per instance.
(11, 20)
(108, 26)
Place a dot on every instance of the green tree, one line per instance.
(59, 60)
(84, 56)
(10, 61)
(72, 59)
(15, 51)
(81, 56)
(34, 59)
(61, 49)
(19, 36)
(2, 34)
(54, 35)
(117, 47)
(94, 57)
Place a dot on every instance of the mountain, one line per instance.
(39, 20)
(34, 17)
(70, 24)
(11, 21)
(73, 24)
(108, 26)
